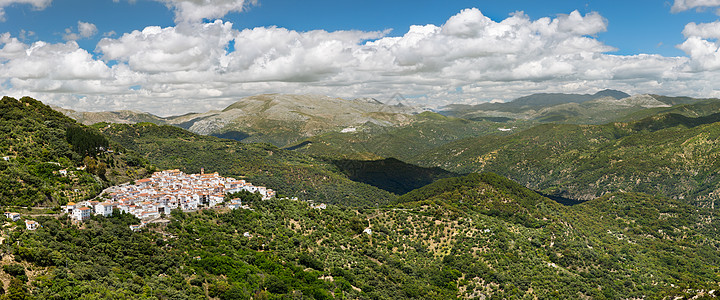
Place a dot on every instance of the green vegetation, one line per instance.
(391, 174)
(681, 105)
(39, 142)
(460, 237)
(287, 172)
(668, 155)
(86, 141)
(475, 236)
(427, 131)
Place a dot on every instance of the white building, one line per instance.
(215, 200)
(235, 203)
(69, 207)
(104, 209)
(12, 216)
(31, 225)
(82, 213)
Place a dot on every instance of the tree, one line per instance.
(17, 290)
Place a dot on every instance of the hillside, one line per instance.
(669, 155)
(287, 172)
(49, 159)
(479, 236)
(391, 174)
(680, 105)
(426, 131)
(550, 99)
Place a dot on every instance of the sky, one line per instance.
(171, 57)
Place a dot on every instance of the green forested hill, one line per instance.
(287, 172)
(443, 241)
(428, 130)
(38, 142)
(670, 155)
(681, 105)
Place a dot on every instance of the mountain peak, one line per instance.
(611, 93)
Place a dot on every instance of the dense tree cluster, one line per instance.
(86, 141)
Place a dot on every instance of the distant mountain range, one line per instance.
(273, 118)
(599, 108)
(285, 120)
(550, 99)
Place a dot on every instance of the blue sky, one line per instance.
(642, 26)
(638, 46)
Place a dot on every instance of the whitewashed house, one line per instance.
(235, 203)
(104, 209)
(148, 215)
(82, 213)
(31, 225)
(215, 200)
(12, 216)
(69, 207)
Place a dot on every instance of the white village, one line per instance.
(150, 198)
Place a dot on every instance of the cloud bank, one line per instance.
(195, 66)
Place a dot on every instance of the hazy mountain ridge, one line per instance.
(285, 120)
(274, 118)
(602, 107)
(119, 117)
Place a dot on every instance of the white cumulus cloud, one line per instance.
(185, 47)
(702, 30)
(702, 45)
(683, 5)
(36, 4)
(84, 30)
(197, 10)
